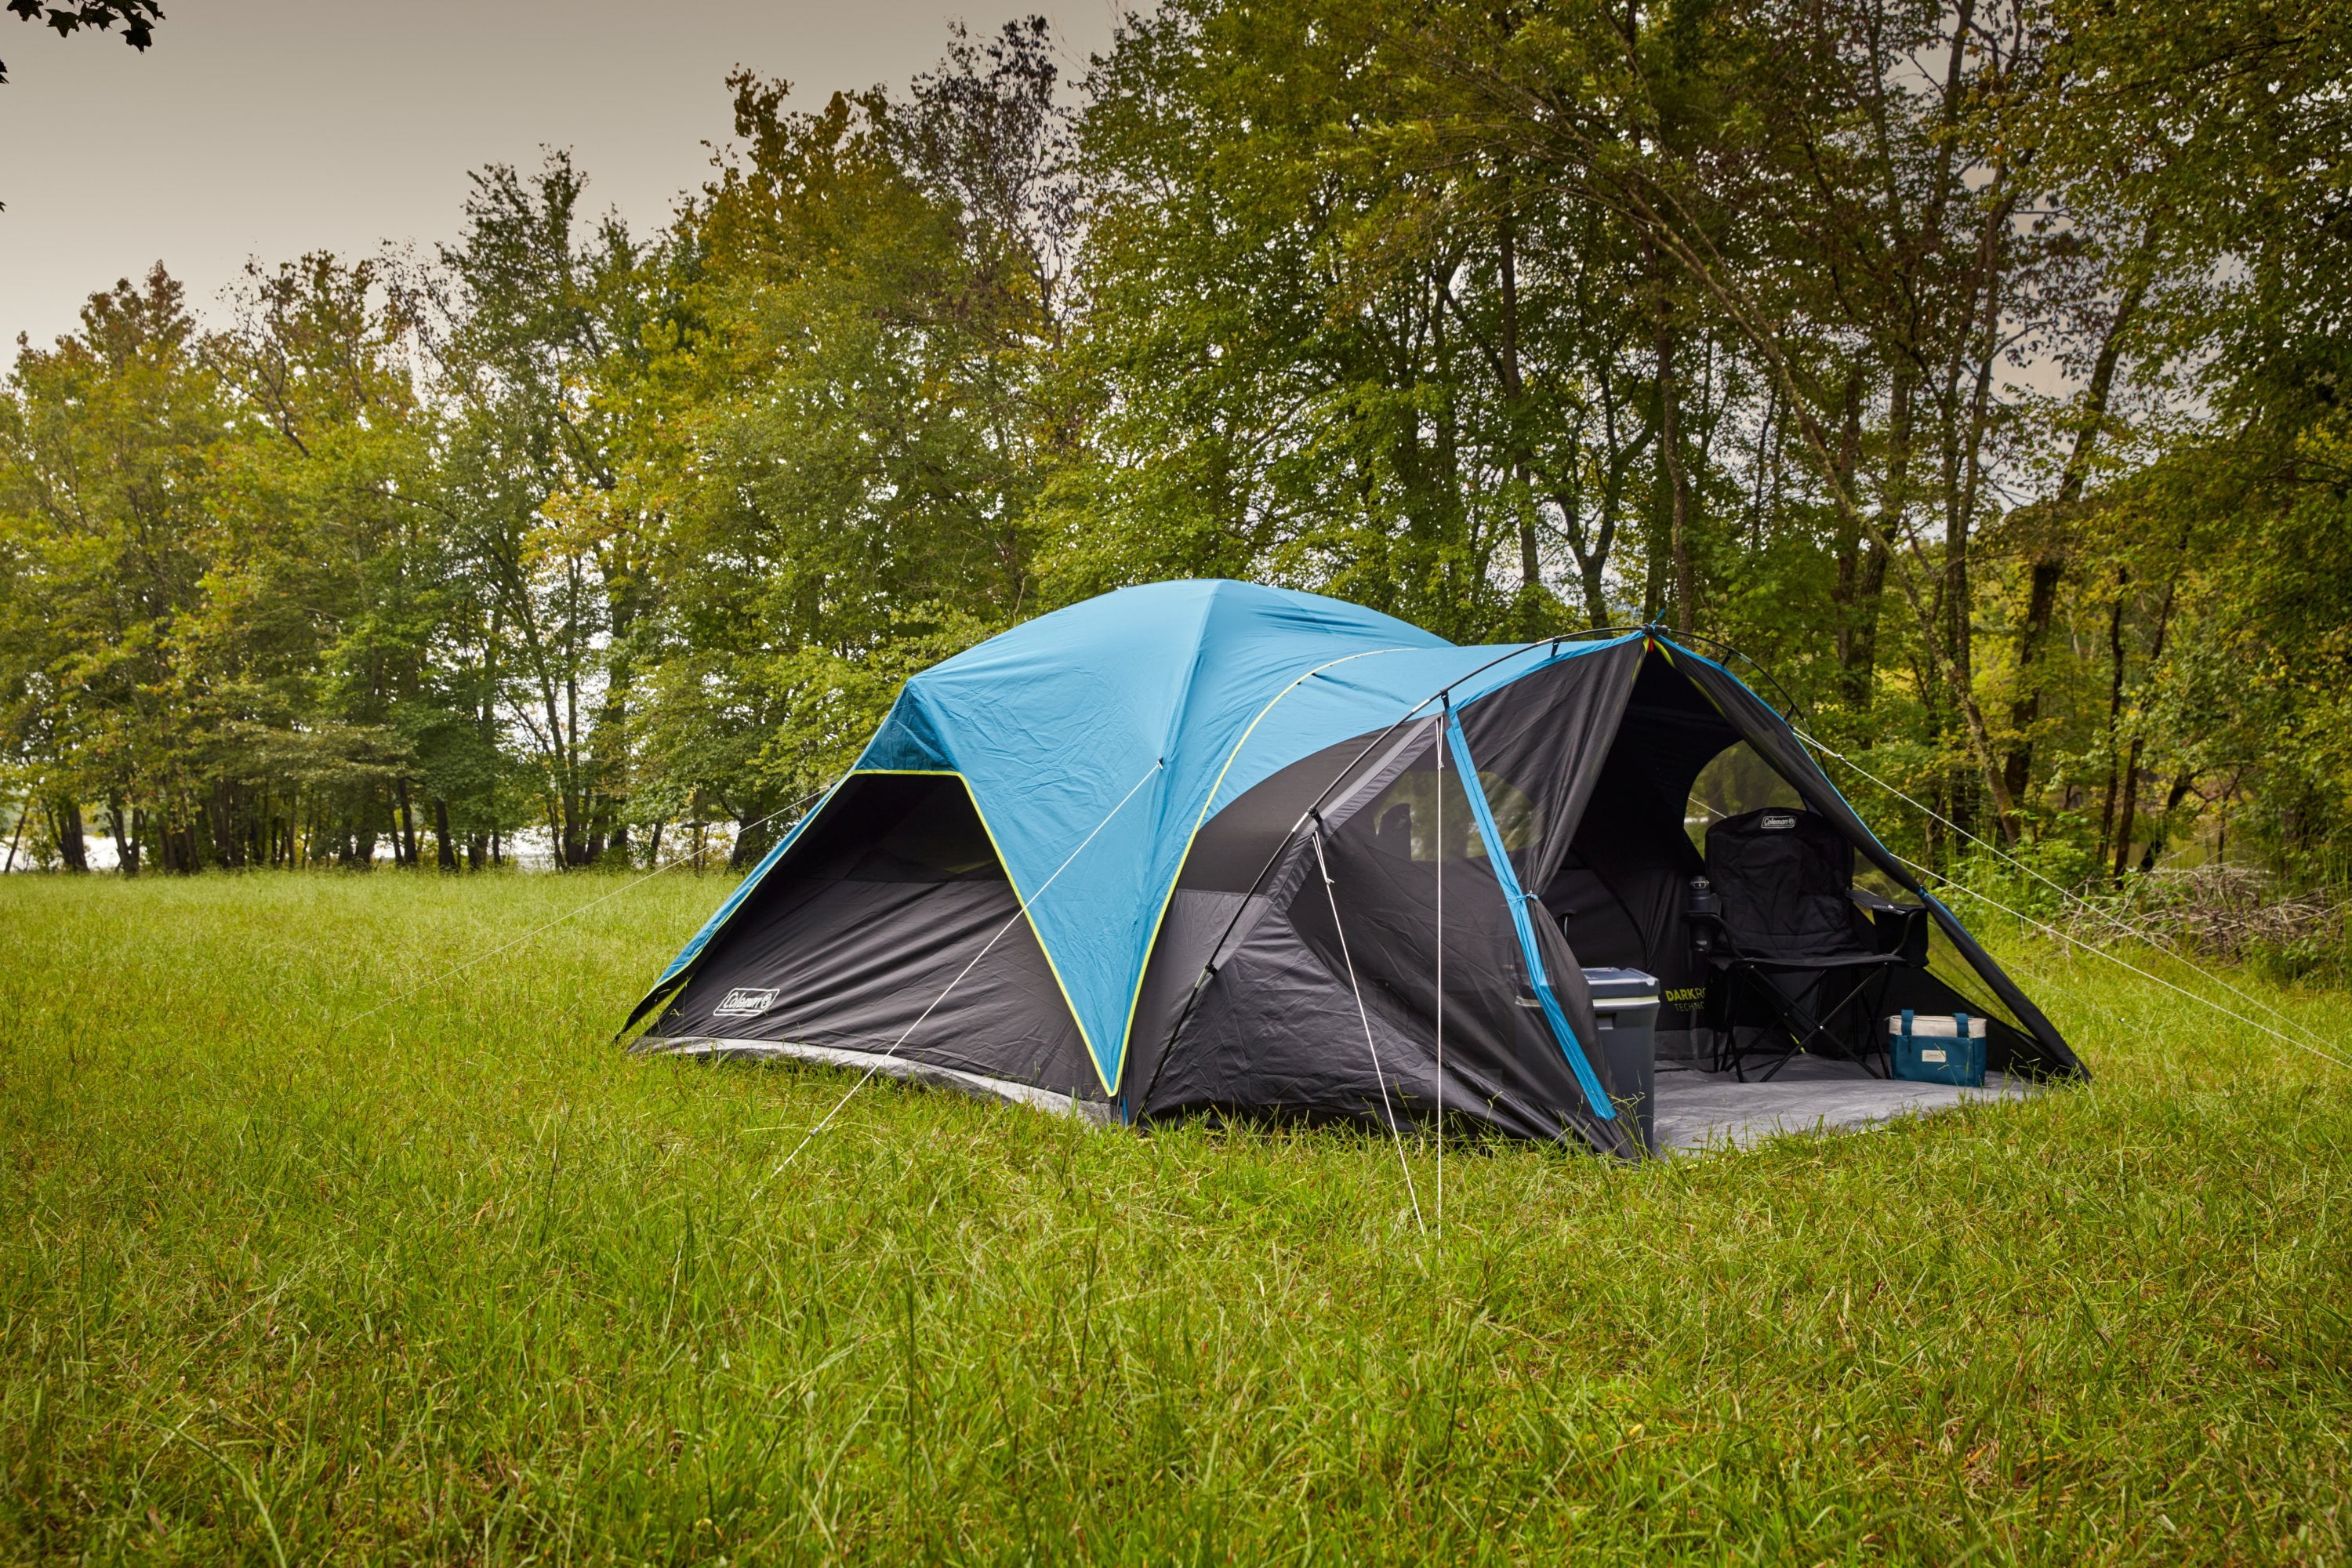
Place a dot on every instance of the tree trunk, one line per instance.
(1514, 387)
(445, 848)
(1858, 660)
(2181, 784)
(72, 848)
(1592, 564)
(746, 852)
(407, 844)
(1844, 591)
(1960, 599)
(2114, 711)
(2130, 802)
(2025, 712)
(573, 851)
(2049, 559)
(2131, 771)
(1670, 439)
(220, 820)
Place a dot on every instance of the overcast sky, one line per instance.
(272, 126)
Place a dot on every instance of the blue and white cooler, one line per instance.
(1937, 1048)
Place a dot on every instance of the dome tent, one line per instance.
(1084, 863)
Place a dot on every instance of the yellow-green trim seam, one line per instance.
(1135, 1000)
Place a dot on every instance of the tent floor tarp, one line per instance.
(1698, 1110)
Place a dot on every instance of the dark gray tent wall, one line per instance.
(892, 893)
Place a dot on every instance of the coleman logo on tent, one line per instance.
(745, 1002)
(1778, 822)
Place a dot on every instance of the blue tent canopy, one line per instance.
(1096, 741)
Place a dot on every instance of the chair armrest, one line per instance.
(1899, 929)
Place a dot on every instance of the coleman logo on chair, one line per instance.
(1778, 822)
(745, 1002)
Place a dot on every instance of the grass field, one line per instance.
(462, 1282)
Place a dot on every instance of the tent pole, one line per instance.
(1439, 748)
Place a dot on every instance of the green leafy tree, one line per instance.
(844, 431)
(102, 464)
(526, 310)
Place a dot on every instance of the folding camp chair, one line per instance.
(1790, 955)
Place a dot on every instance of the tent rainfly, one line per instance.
(1084, 864)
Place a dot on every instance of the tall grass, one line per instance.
(462, 1282)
